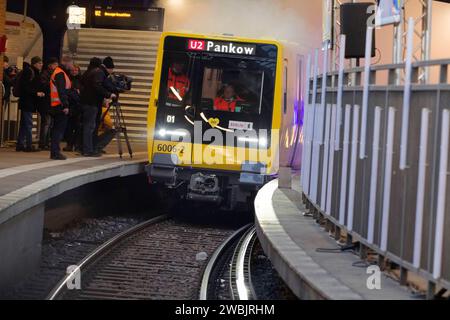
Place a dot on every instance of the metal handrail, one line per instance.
(360, 184)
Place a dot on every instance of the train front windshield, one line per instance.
(229, 83)
(232, 90)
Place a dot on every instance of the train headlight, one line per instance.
(162, 133)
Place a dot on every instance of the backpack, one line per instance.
(18, 82)
(17, 85)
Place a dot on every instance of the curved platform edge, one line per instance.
(307, 279)
(23, 199)
(292, 241)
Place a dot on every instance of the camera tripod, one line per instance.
(119, 127)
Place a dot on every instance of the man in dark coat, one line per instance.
(44, 104)
(30, 91)
(60, 86)
(73, 130)
(92, 95)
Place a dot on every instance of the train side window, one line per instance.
(232, 90)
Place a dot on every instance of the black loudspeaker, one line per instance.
(354, 18)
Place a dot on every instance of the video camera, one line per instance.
(121, 83)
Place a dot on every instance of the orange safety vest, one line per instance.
(220, 104)
(54, 94)
(180, 83)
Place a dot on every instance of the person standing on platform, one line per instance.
(44, 104)
(73, 130)
(60, 85)
(29, 92)
(93, 94)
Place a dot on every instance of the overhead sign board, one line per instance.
(151, 19)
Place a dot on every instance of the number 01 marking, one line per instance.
(170, 119)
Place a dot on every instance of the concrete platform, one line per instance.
(291, 239)
(28, 180)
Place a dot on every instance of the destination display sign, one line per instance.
(151, 19)
(221, 47)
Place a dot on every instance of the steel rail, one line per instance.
(208, 276)
(62, 286)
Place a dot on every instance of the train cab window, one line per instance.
(178, 88)
(232, 90)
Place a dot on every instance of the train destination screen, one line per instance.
(221, 47)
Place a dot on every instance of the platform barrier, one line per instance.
(10, 120)
(376, 162)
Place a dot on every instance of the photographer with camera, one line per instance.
(93, 93)
(118, 83)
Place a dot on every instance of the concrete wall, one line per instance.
(24, 39)
(440, 48)
(20, 245)
(295, 21)
(2, 28)
(441, 25)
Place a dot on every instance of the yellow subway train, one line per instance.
(223, 116)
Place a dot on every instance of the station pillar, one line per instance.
(2, 33)
(2, 29)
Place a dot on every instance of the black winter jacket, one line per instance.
(44, 103)
(7, 82)
(93, 90)
(30, 86)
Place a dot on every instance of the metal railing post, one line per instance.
(366, 84)
(306, 122)
(407, 96)
(312, 120)
(441, 198)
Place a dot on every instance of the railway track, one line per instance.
(159, 259)
(228, 273)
